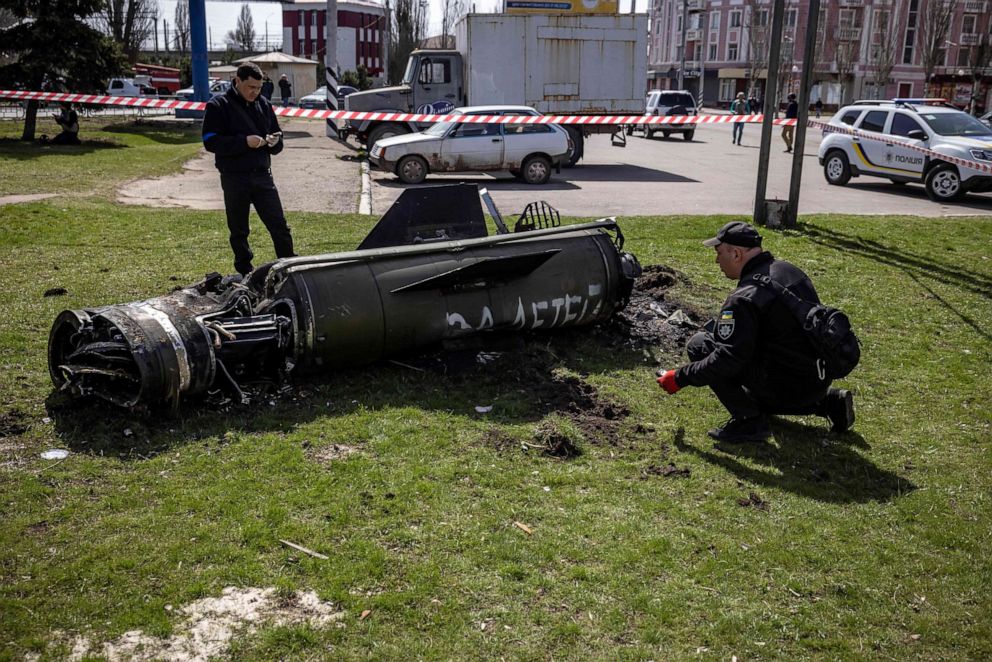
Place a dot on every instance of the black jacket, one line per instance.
(227, 123)
(757, 337)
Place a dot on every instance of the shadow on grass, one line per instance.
(916, 266)
(158, 131)
(524, 384)
(12, 148)
(800, 462)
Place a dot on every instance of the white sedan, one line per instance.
(528, 151)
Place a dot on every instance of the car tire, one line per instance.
(578, 146)
(384, 131)
(536, 169)
(943, 183)
(688, 135)
(411, 169)
(649, 133)
(836, 168)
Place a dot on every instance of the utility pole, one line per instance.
(331, 64)
(198, 47)
(809, 52)
(771, 103)
(685, 26)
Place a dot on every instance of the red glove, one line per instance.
(667, 382)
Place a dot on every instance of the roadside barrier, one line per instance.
(619, 120)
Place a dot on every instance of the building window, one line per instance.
(907, 51)
(728, 89)
(714, 20)
(732, 52)
(850, 18)
(761, 18)
(735, 19)
(299, 18)
(964, 57)
(678, 27)
(301, 47)
(969, 24)
(712, 55)
(790, 18)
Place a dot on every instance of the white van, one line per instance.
(670, 102)
(128, 87)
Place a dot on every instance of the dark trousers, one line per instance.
(241, 191)
(738, 131)
(749, 393)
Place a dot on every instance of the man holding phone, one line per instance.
(241, 130)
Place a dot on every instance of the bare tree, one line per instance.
(756, 19)
(933, 35)
(242, 38)
(979, 61)
(409, 25)
(884, 45)
(128, 22)
(181, 27)
(451, 11)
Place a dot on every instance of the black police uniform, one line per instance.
(245, 173)
(756, 358)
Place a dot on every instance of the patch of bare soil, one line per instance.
(326, 455)
(209, 625)
(753, 501)
(667, 471)
(13, 423)
(652, 317)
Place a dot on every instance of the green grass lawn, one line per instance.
(870, 545)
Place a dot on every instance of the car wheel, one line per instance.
(649, 133)
(578, 146)
(383, 131)
(411, 169)
(536, 169)
(666, 134)
(836, 168)
(943, 183)
(688, 135)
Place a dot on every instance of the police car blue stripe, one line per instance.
(208, 136)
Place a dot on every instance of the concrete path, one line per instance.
(312, 173)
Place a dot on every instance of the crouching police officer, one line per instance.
(240, 128)
(754, 356)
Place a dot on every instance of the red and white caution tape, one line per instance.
(651, 120)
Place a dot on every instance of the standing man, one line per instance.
(285, 89)
(755, 357)
(738, 107)
(818, 107)
(267, 87)
(240, 128)
(789, 130)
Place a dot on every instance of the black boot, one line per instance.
(838, 407)
(742, 430)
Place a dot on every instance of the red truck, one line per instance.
(165, 80)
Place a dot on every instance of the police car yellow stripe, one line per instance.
(864, 159)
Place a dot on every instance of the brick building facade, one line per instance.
(361, 36)
(726, 41)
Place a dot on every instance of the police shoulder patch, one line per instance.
(725, 325)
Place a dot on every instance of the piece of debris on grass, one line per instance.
(753, 500)
(303, 549)
(668, 471)
(56, 292)
(365, 614)
(523, 527)
(558, 437)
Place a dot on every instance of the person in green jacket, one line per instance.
(738, 107)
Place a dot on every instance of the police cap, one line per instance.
(736, 233)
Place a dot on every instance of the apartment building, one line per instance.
(865, 49)
(360, 37)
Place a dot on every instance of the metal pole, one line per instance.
(771, 102)
(198, 48)
(809, 52)
(685, 27)
(331, 64)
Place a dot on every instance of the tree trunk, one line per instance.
(30, 120)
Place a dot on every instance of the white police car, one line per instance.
(894, 129)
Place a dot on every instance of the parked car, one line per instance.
(128, 87)
(670, 102)
(318, 98)
(527, 151)
(987, 118)
(217, 86)
(904, 124)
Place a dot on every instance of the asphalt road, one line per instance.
(706, 176)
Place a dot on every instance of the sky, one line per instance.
(223, 16)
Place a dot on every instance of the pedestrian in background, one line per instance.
(241, 130)
(68, 120)
(285, 89)
(818, 107)
(267, 88)
(738, 107)
(789, 130)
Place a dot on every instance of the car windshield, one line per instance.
(319, 92)
(411, 70)
(682, 99)
(441, 128)
(955, 124)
